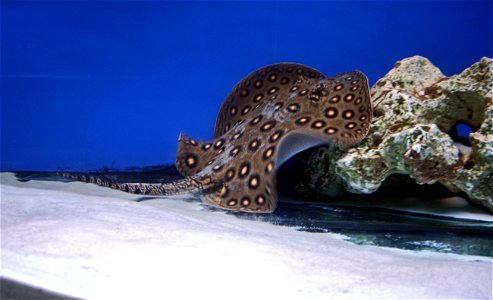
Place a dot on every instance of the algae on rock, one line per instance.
(414, 131)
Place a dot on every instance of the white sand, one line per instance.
(92, 242)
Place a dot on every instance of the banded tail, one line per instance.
(180, 186)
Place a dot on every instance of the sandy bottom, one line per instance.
(90, 242)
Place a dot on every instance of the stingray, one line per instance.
(271, 115)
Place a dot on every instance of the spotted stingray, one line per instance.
(272, 114)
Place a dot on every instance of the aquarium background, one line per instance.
(88, 85)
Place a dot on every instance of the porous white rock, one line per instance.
(416, 110)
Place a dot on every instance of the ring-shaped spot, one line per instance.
(258, 98)
(245, 201)
(232, 202)
(331, 112)
(260, 200)
(348, 114)
(268, 125)
(244, 169)
(254, 182)
(335, 99)
(349, 97)
(269, 152)
(318, 124)
(276, 136)
(330, 130)
(246, 110)
(230, 174)
(269, 167)
(350, 125)
(273, 90)
(217, 168)
(302, 121)
(244, 93)
(218, 144)
(237, 135)
(191, 160)
(234, 152)
(254, 145)
(256, 120)
(293, 107)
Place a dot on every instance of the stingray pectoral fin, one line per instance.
(249, 190)
(192, 155)
(254, 89)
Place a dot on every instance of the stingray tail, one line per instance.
(180, 186)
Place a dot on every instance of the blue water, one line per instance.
(89, 84)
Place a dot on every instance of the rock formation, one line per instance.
(418, 113)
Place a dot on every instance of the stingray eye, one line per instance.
(319, 92)
(315, 96)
